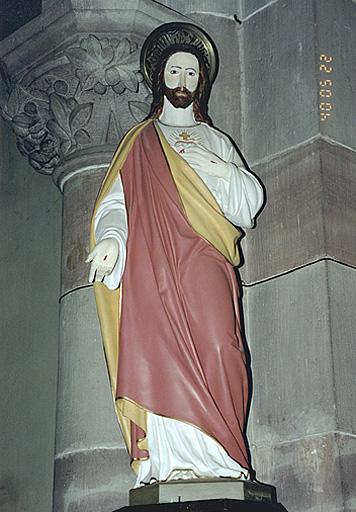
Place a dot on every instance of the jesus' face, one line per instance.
(181, 76)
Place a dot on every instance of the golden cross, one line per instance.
(184, 135)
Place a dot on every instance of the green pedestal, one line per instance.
(204, 495)
(223, 505)
(202, 490)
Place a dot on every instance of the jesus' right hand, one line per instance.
(103, 259)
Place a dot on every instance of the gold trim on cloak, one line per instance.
(108, 302)
(203, 213)
(201, 208)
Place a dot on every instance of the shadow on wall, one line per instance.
(15, 13)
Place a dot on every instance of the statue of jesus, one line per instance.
(162, 261)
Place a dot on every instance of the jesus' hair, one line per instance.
(200, 102)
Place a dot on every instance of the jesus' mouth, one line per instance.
(180, 97)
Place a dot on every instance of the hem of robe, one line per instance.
(139, 413)
(206, 460)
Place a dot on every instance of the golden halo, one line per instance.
(180, 35)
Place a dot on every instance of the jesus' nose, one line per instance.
(182, 80)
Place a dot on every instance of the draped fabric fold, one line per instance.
(180, 353)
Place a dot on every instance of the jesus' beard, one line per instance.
(180, 97)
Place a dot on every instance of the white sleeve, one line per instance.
(111, 222)
(244, 197)
(240, 196)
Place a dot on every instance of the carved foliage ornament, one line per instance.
(56, 108)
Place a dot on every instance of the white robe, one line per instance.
(178, 450)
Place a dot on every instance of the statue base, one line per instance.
(204, 495)
(224, 505)
(177, 491)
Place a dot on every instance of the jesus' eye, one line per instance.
(173, 72)
(191, 73)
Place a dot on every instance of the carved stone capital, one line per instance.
(86, 95)
(81, 87)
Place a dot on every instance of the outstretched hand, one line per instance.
(199, 156)
(103, 259)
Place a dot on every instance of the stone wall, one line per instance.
(30, 212)
(300, 261)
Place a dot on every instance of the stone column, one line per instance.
(71, 89)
